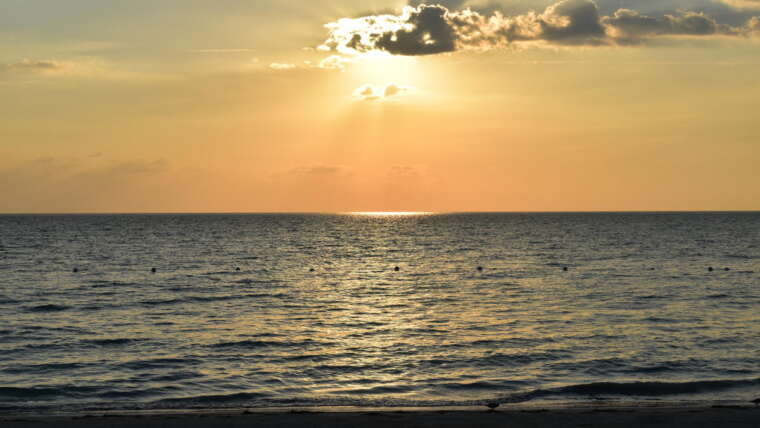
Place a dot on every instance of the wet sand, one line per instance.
(739, 416)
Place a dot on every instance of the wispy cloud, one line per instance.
(91, 68)
(35, 66)
(317, 170)
(223, 50)
(281, 66)
(334, 62)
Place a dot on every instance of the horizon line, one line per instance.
(410, 212)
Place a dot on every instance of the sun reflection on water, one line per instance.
(390, 213)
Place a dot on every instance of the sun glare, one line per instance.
(381, 68)
(390, 213)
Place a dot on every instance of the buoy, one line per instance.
(311, 270)
(237, 269)
(710, 269)
(564, 268)
(727, 269)
(153, 270)
(480, 268)
(75, 270)
(397, 268)
(492, 405)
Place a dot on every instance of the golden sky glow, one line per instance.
(378, 106)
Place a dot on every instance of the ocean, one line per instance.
(143, 312)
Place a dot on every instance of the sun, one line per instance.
(381, 68)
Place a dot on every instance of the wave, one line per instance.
(208, 399)
(47, 308)
(208, 299)
(43, 392)
(159, 363)
(359, 397)
(249, 344)
(5, 300)
(739, 256)
(634, 389)
(111, 342)
(37, 369)
(596, 390)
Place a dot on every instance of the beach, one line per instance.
(694, 417)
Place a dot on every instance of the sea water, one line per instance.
(377, 310)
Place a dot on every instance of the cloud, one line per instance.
(81, 184)
(435, 29)
(334, 62)
(140, 167)
(281, 66)
(449, 4)
(372, 93)
(367, 93)
(42, 69)
(404, 172)
(223, 50)
(753, 25)
(317, 170)
(742, 4)
(392, 89)
(627, 24)
(35, 66)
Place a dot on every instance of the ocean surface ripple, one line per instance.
(310, 310)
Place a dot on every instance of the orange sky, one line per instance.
(190, 107)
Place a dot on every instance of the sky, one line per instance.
(379, 105)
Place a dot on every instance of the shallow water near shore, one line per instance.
(309, 310)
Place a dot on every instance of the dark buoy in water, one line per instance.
(564, 269)
(480, 268)
(311, 270)
(237, 269)
(756, 401)
(492, 406)
(727, 269)
(397, 268)
(710, 269)
(152, 270)
(75, 270)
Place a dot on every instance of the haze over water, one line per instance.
(318, 315)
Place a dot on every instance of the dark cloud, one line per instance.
(429, 32)
(627, 24)
(434, 29)
(571, 21)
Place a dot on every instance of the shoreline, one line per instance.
(513, 416)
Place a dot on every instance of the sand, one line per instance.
(741, 416)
